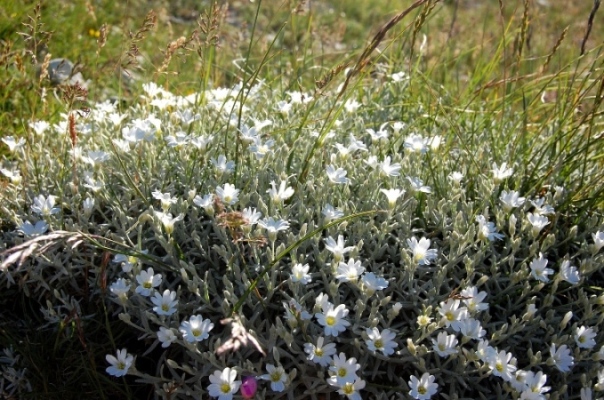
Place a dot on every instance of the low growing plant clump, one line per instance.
(375, 240)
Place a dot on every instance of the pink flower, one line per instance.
(248, 387)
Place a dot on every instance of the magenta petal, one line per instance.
(248, 387)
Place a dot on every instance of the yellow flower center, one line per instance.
(276, 376)
(147, 285)
(450, 316)
(196, 332)
(379, 344)
(319, 352)
(348, 388)
(422, 390)
(165, 307)
(499, 367)
(225, 388)
(331, 321)
(342, 372)
(121, 365)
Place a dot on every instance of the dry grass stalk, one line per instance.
(377, 39)
(590, 23)
(102, 40)
(554, 50)
(44, 68)
(524, 27)
(135, 37)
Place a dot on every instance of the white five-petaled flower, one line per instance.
(165, 304)
(541, 208)
(585, 337)
(260, 149)
(370, 283)
(165, 199)
(562, 358)
(321, 352)
(300, 274)
(12, 143)
(120, 288)
(502, 364)
(501, 173)
(511, 200)
(349, 272)
(168, 221)
(332, 319)
(223, 384)
(273, 226)
(444, 345)
(120, 364)
(538, 222)
(14, 176)
(416, 143)
(337, 248)
(251, 216)
(539, 270)
(569, 273)
(422, 253)
(343, 370)
(196, 329)
(295, 311)
(424, 387)
(598, 240)
(417, 185)
(45, 206)
(389, 169)
(452, 314)
(279, 195)
(473, 299)
(166, 336)
(535, 389)
(206, 202)
(276, 376)
(330, 212)
(487, 230)
(147, 280)
(380, 134)
(227, 194)
(337, 176)
(381, 341)
(351, 389)
(222, 165)
(392, 195)
(30, 230)
(471, 328)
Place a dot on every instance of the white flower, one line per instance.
(332, 319)
(330, 212)
(485, 352)
(539, 270)
(300, 274)
(147, 281)
(337, 176)
(321, 353)
(473, 299)
(120, 288)
(563, 360)
(416, 144)
(380, 134)
(456, 177)
(487, 230)
(569, 273)
(168, 221)
(88, 205)
(598, 240)
(451, 313)
(510, 200)
(39, 127)
(351, 389)
(14, 176)
(206, 202)
(12, 143)
(381, 341)
(541, 208)
(423, 320)
(293, 311)
(30, 230)
(97, 157)
(370, 283)
(338, 248)
(165, 304)
(355, 144)
(343, 370)
(584, 337)
(501, 173)
(445, 345)
(166, 336)
(535, 386)
(227, 194)
(422, 254)
(165, 199)
(399, 76)
(424, 387)
(277, 377)
(120, 364)
(417, 185)
(273, 226)
(251, 216)
(351, 105)
(260, 149)
(349, 272)
(471, 328)
(45, 206)
(502, 365)
(223, 384)
(389, 169)
(281, 194)
(196, 329)
(538, 222)
(392, 195)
